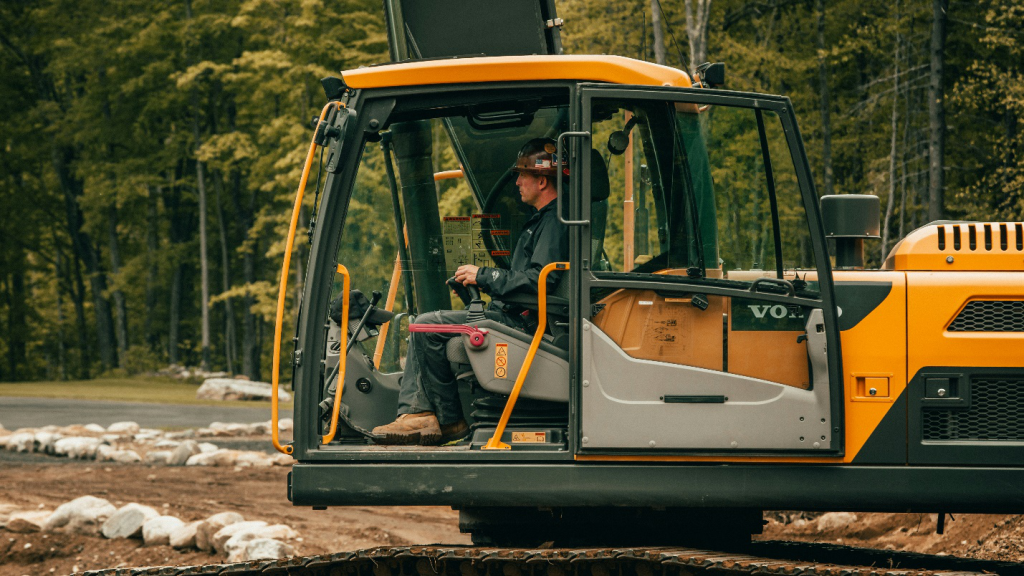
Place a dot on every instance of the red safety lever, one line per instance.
(477, 336)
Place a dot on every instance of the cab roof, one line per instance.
(611, 69)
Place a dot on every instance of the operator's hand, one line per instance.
(466, 274)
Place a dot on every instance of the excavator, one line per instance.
(714, 346)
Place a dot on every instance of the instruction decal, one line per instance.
(501, 361)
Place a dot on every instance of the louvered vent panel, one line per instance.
(996, 413)
(990, 316)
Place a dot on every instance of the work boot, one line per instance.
(454, 431)
(408, 429)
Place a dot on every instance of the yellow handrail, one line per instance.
(389, 305)
(342, 357)
(278, 326)
(495, 442)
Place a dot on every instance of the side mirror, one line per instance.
(849, 220)
(711, 74)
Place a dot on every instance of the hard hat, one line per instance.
(538, 157)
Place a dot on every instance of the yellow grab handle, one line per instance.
(448, 175)
(389, 305)
(495, 442)
(279, 323)
(342, 357)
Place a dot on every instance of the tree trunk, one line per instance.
(204, 265)
(894, 125)
(828, 186)
(659, 33)
(229, 314)
(61, 348)
(937, 113)
(17, 325)
(152, 270)
(697, 30)
(119, 303)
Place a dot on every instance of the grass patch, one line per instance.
(140, 389)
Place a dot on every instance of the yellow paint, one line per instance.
(342, 357)
(920, 250)
(495, 442)
(283, 291)
(448, 175)
(612, 69)
(389, 305)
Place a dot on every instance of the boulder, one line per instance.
(81, 448)
(207, 447)
(25, 522)
(183, 452)
(207, 528)
(158, 457)
(94, 428)
(166, 444)
(254, 459)
(105, 453)
(230, 389)
(82, 515)
(127, 521)
(147, 434)
(157, 531)
(266, 549)
(21, 442)
(278, 532)
(125, 457)
(220, 457)
(835, 521)
(44, 441)
(185, 537)
(285, 424)
(234, 548)
(221, 537)
(283, 459)
(125, 428)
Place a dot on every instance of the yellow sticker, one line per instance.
(529, 437)
(550, 148)
(501, 361)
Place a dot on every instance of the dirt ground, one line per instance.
(193, 493)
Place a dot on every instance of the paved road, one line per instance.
(36, 412)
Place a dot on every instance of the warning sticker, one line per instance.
(501, 361)
(530, 437)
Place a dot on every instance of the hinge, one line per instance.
(297, 358)
(554, 23)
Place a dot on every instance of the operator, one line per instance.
(429, 410)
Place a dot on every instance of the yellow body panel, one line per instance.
(961, 247)
(612, 69)
(935, 298)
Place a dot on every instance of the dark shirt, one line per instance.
(544, 240)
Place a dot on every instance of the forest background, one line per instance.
(135, 133)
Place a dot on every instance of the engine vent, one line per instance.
(980, 237)
(990, 316)
(996, 413)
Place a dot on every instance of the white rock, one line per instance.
(267, 549)
(259, 428)
(220, 457)
(206, 447)
(96, 428)
(82, 448)
(185, 537)
(254, 459)
(157, 531)
(230, 389)
(125, 428)
(147, 434)
(111, 438)
(125, 457)
(285, 424)
(82, 515)
(166, 445)
(105, 453)
(158, 457)
(221, 537)
(207, 528)
(283, 459)
(278, 532)
(183, 452)
(21, 442)
(835, 520)
(25, 522)
(127, 521)
(44, 441)
(234, 548)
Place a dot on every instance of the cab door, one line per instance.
(709, 324)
